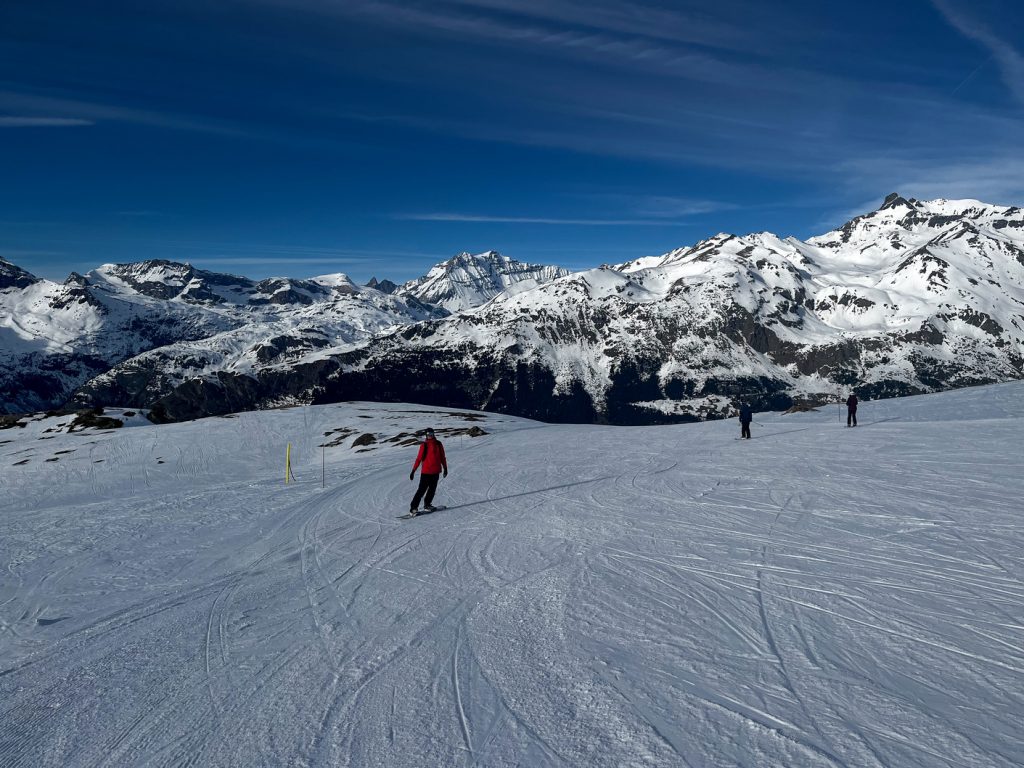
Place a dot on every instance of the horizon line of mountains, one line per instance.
(916, 296)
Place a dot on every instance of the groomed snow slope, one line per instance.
(593, 596)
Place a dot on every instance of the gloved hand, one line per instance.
(446, 473)
(412, 475)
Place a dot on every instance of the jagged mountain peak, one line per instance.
(384, 286)
(468, 280)
(465, 257)
(485, 263)
(715, 241)
(896, 200)
(76, 280)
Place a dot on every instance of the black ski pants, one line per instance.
(851, 417)
(745, 432)
(428, 485)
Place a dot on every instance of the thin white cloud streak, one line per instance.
(93, 112)
(477, 218)
(267, 130)
(1011, 62)
(607, 48)
(666, 206)
(12, 121)
(676, 26)
(608, 144)
(19, 253)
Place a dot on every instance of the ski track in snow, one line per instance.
(597, 596)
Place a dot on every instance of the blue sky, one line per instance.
(299, 137)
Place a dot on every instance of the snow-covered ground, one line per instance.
(592, 596)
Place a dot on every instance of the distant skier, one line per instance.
(746, 416)
(431, 456)
(851, 410)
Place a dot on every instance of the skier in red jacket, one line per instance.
(431, 456)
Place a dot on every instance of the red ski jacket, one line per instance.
(431, 455)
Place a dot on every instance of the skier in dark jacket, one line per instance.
(851, 410)
(746, 416)
(431, 456)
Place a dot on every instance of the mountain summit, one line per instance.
(468, 280)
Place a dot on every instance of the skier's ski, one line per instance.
(421, 514)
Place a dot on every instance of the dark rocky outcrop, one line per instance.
(384, 286)
(13, 276)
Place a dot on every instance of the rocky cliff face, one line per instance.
(13, 276)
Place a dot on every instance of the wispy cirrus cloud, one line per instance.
(660, 139)
(672, 24)
(1010, 60)
(691, 106)
(487, 219)
(18, 121)
(666, 206)
(18, 253)
(636, 31)
(92, 112)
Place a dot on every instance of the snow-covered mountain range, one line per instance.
(169, 322)
(916, 296)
